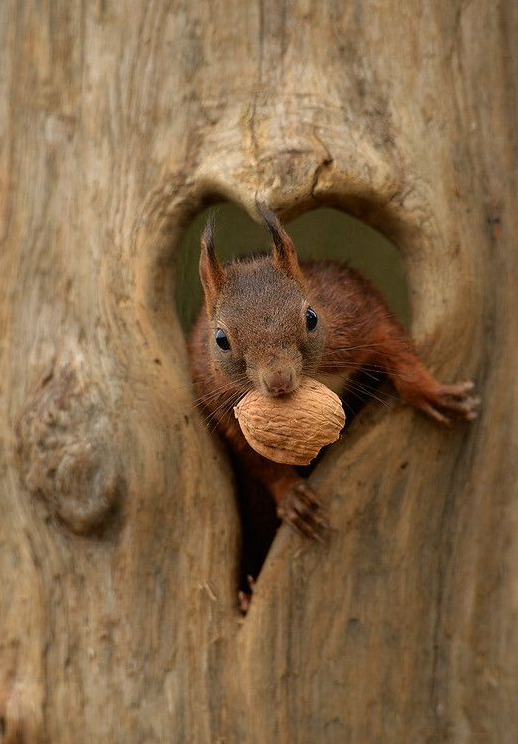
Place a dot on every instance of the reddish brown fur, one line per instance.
(261, 305)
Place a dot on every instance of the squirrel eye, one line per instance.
(311, 319)
(222, 340)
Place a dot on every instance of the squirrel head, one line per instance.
(264, 327)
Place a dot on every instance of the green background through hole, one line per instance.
(321, 233)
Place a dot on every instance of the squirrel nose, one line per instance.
(278, 382)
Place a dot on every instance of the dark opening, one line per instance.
(322, 233)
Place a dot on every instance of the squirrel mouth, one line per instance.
(279, 392)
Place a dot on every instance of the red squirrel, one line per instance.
(268, 321)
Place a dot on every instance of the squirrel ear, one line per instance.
(284, 254)
(212, 274)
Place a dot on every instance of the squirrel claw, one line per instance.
(301, 509)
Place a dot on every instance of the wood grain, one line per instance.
(119, 537)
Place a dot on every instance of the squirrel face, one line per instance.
(263, 328)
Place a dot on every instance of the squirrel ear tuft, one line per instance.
(212, 274)
(284, 254)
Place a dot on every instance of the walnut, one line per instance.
(291, 429)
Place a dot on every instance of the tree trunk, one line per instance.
(119, 533)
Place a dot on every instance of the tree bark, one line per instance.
(119, 537)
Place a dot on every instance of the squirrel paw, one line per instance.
(301, 509)
(450, 399)
(245, 597)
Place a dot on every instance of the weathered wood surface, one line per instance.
(119, 536)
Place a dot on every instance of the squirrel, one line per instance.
(268, 320)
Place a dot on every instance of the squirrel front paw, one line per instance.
(302, 510)
(450, 399)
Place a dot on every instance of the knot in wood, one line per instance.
(67, 453)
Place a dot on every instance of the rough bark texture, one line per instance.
(119, 536)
